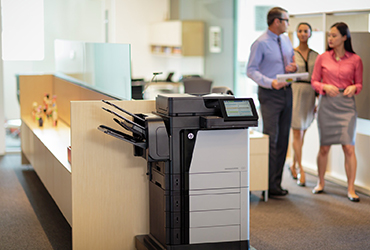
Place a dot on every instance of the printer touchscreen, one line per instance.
(238, 109)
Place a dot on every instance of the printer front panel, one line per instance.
(219, 187)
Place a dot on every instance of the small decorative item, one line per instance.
(34, 110)
(38, 116)
(48, 109)
(215, 39)
(47, 105)
(54, 110)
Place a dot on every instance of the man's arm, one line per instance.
(255, 58)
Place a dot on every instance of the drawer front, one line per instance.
(214, 234)
(214, 218)
(214, 180)
(214, 202)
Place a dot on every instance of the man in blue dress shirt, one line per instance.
(272, 54)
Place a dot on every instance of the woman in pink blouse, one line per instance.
(337, 77)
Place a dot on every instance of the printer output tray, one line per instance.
(122, 136)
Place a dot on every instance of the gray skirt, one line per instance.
(336, 119)
(303, 105)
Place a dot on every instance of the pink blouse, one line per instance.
(343, 73)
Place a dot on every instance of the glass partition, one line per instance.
(104, 67)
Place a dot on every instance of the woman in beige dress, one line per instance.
(303, 99)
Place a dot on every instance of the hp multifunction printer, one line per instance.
(197, 149)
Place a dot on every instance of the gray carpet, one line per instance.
(302, 220)
(29, 218)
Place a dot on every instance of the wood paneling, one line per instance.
(45, 148)
(32, 88)
(67, 92)
(110, 188)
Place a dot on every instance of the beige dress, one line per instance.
(303, 93)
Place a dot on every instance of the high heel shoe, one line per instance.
(353, 199)
(293, 173)
(300, 182)
(317, 191)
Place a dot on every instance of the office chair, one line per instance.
(197, 85)
(222, 90)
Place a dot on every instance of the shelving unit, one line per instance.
(177, 38)
(357, 20)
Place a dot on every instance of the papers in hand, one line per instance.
(292, 77)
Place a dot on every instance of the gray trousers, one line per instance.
(276, 110)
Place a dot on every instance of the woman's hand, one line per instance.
(350, 91)
(331, 90)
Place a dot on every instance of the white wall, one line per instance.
(80, 20)
(218, 67)
(129, 23)
(132, 19)
(2, 131)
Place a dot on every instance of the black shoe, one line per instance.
(285, 190)
(278, 192)
(317, 191)
(353, 199)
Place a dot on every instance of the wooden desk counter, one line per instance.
(45, 148)
(56, 139)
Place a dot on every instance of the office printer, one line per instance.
(197, 149)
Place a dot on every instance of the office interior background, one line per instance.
(35, 24)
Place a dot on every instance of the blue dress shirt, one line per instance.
(265, 60)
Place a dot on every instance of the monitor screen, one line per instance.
(238, 109)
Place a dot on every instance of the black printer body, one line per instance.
(197, 150)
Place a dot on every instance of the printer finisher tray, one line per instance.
(122, 136)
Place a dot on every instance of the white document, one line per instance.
(292, 77)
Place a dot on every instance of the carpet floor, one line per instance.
(30, 219)
(303, 220)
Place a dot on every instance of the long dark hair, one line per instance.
(344, 31)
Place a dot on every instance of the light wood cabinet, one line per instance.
(259, 157)
(177, 38)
